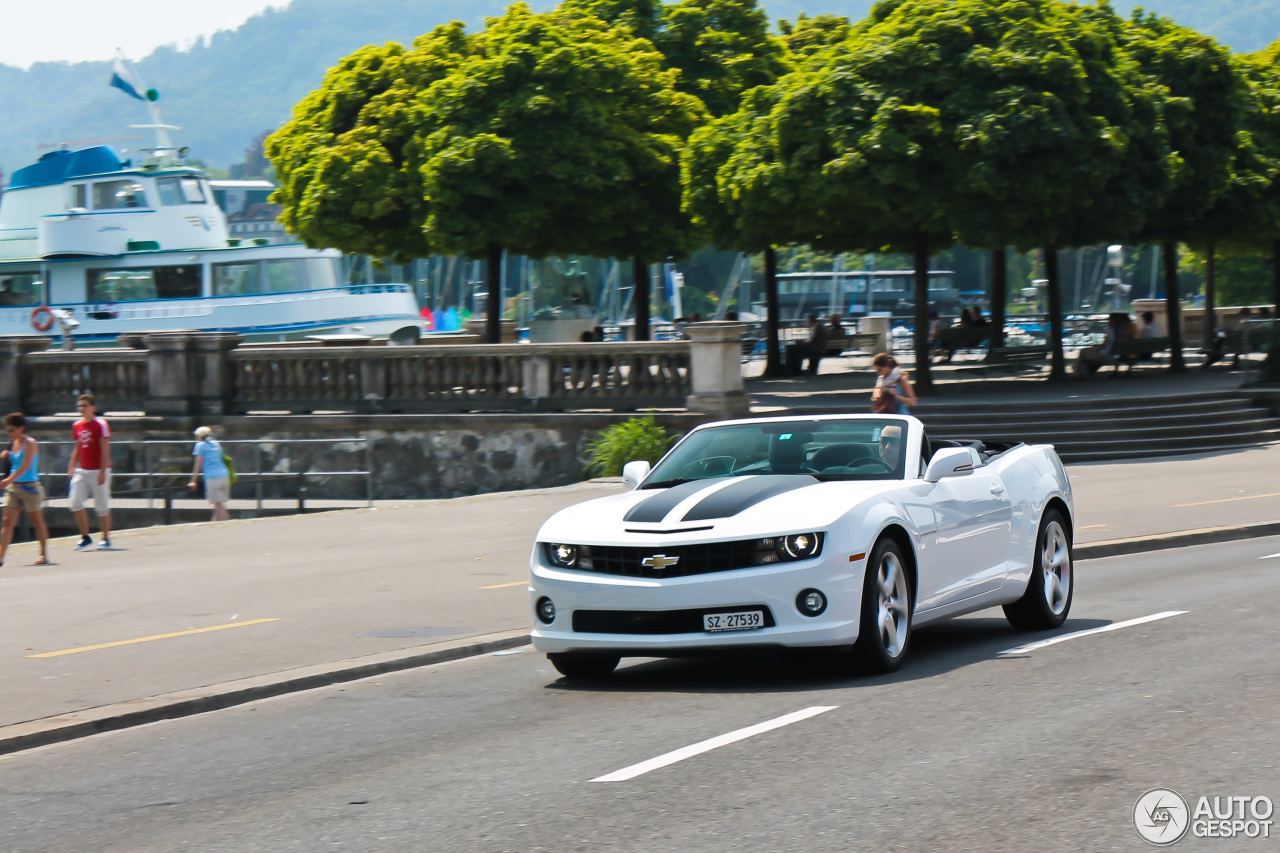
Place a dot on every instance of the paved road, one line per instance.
(344, 585)
(965, 749)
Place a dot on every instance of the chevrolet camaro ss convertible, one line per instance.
(829, 531)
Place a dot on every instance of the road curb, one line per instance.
(1181, 539)
(186, 703)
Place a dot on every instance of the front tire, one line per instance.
(1047, 601)
(582, 665)
(884, 629)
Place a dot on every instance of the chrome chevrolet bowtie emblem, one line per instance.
(659, 561)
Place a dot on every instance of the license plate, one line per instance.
(747, 620)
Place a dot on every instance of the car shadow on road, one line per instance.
(935, 649)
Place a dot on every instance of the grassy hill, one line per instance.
(227, 89)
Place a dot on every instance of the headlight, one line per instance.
(562, 556)
(785, 549)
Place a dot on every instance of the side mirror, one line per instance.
(633, 473)
(949, 462)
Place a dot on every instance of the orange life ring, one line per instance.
(48, 321)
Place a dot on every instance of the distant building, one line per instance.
(249, 215)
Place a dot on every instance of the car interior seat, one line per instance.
(787, 453)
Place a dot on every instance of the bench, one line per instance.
(1125, 353)
(1259, 339)
(1017, 358)
(955, 338)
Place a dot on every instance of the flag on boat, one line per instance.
(123, 80)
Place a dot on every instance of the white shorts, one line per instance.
(217, 491)
(85, 484)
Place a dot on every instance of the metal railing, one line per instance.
(146, 455)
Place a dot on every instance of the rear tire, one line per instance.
(884, 629)
(1047, 601)
(583, 665)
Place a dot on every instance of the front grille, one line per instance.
(694, 559)
(655, 621)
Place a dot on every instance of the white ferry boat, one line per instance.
(131, 248)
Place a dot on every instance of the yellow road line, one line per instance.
(505, 585)
(1228, 500)
(1090, 526)
(149, 639)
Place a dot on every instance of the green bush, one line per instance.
(635, 439)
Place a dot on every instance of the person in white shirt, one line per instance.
(1149, 327)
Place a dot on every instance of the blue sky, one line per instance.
(75, 30)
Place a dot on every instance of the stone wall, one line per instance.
(411, 456)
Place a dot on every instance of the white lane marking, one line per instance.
(714, 743)
(1269, 557)
(1114, 626)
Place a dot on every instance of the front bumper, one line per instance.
(774, 587)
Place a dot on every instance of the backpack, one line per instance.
(231, 468)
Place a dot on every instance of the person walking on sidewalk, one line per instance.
(893, 392)
(217, 477)
(90, 472)
(22, 489)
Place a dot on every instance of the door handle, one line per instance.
(997, 489)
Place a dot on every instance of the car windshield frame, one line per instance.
(816, 447)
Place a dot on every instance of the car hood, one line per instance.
(712, 510)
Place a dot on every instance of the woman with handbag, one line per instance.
(23, 491)
(211, 462)
(893, 391)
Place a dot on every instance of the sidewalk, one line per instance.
(307, 591)
(847, 381)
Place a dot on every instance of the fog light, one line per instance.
(810, 602)
(546, 610)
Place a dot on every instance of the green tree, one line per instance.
(347, 176)
(544, 135)
(740, 193)
(808, 35)
(1204, 104)
(719, 49)
(1052, 129)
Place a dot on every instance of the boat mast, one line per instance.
(164, 152)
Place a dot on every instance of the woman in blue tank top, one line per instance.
(23, 491)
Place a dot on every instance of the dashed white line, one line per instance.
(1269, 557)
(1114, 626)
(714, 743)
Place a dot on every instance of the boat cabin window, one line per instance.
(80, 196)
(155, 283)
(21, 288)
(286, 275)
(112, 195)
(186, 190)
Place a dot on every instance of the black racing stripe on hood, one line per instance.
(732, 500)
(656, 508)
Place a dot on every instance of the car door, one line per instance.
(974, 525)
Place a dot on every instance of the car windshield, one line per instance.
(854, 449)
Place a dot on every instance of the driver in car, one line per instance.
(891, 445)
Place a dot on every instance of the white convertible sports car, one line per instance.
(842, 530)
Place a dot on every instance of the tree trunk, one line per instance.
(493, 299)
(999, 296)
(773, 353)
(1052, 273)
(1275, 277)
(640, 298)
(1173, 307)
(924, 377)
(1210, 294)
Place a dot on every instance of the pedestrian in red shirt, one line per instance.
(90, 472)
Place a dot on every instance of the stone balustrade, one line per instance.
(209, 373)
